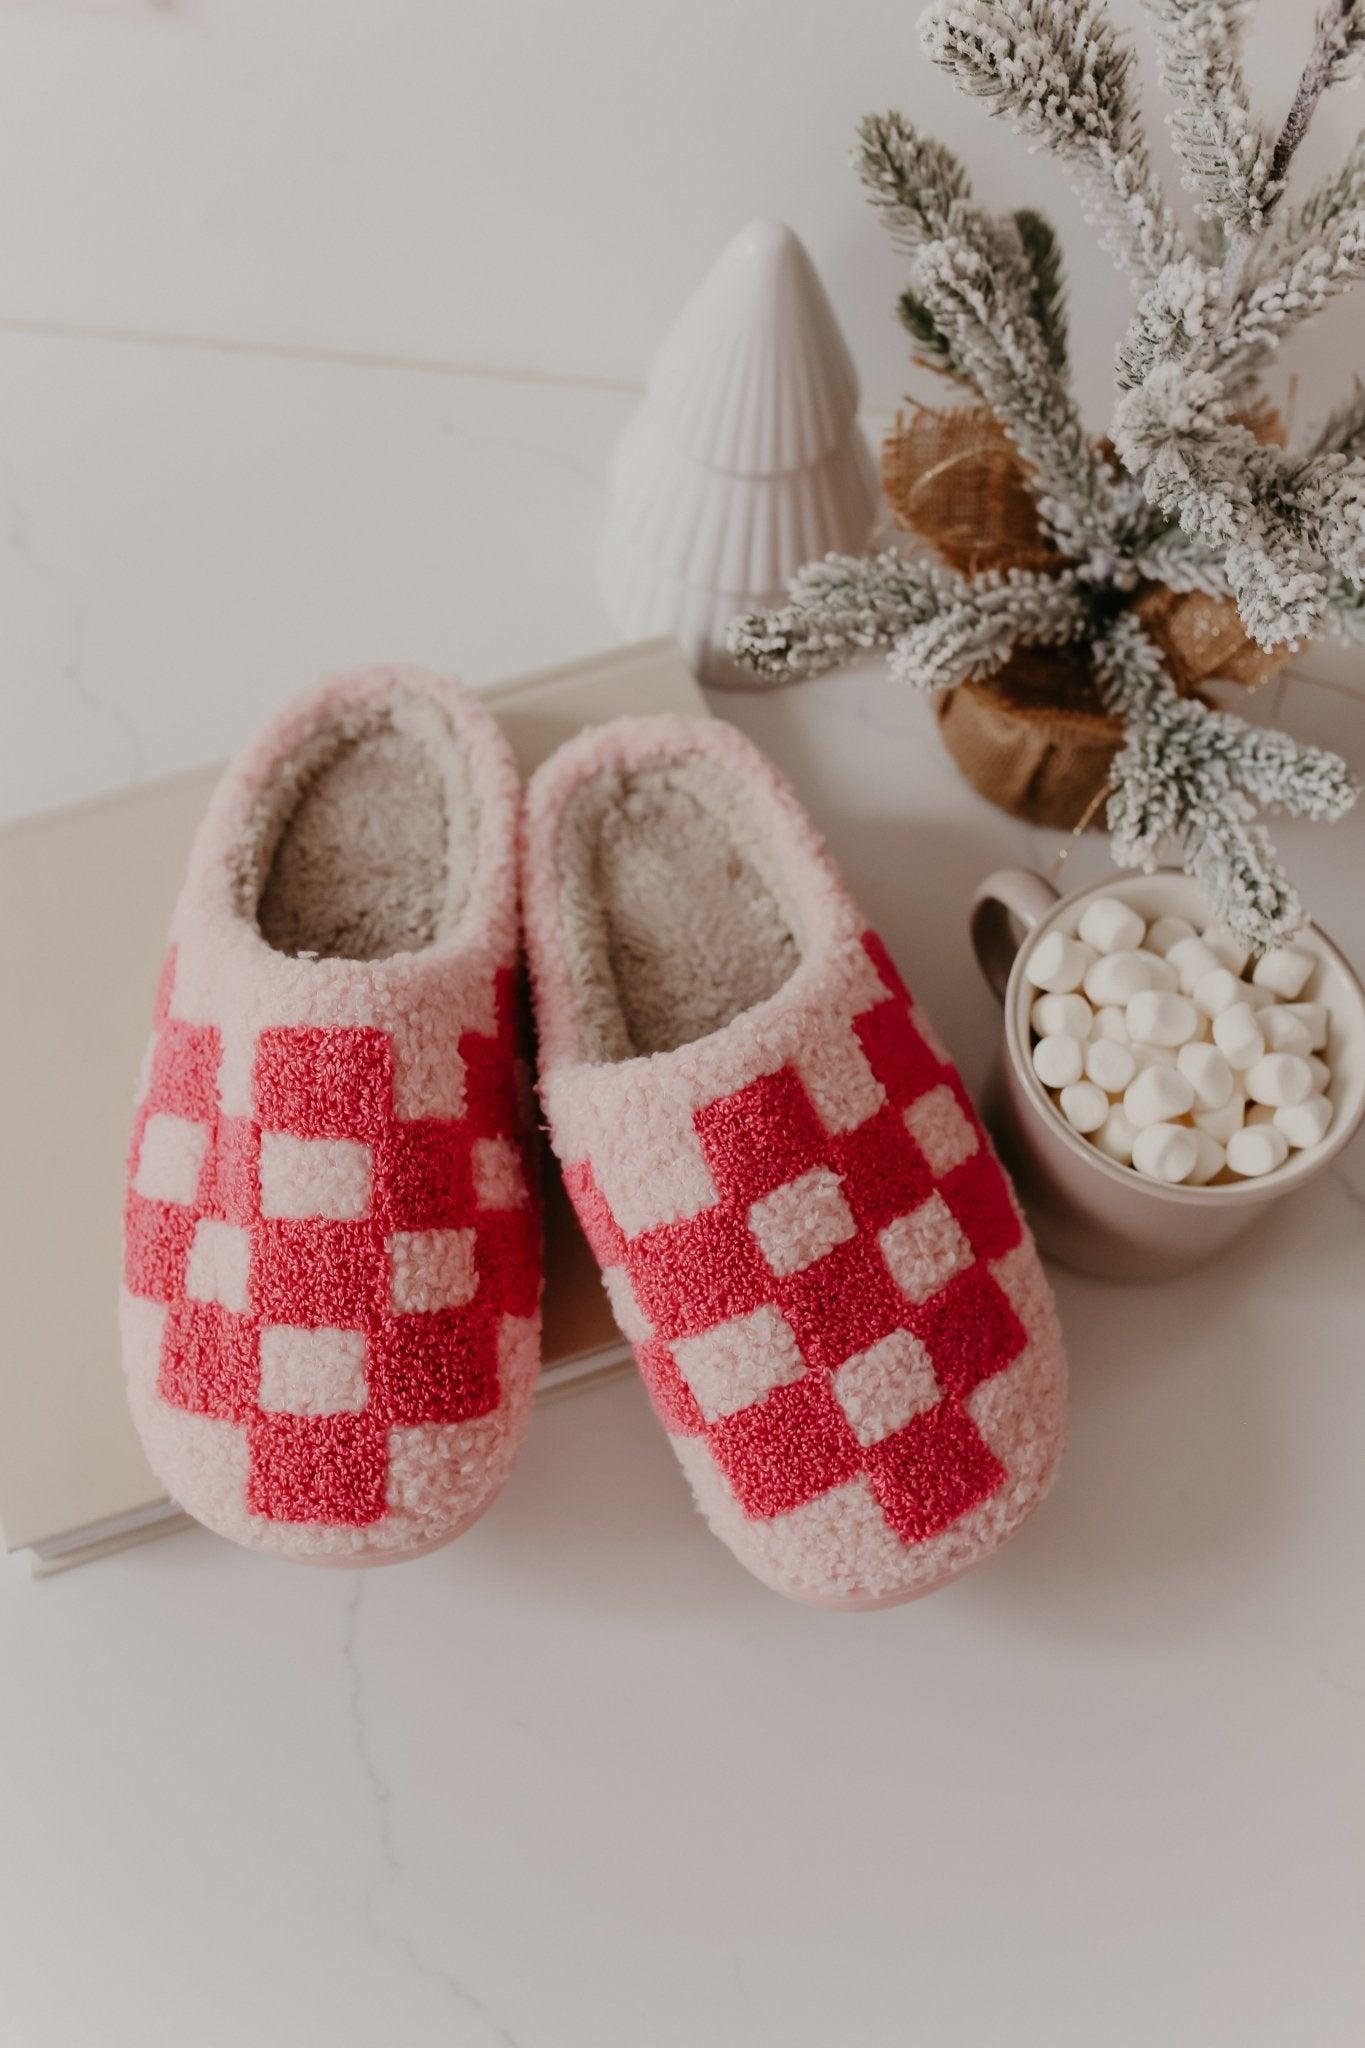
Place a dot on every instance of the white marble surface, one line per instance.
(577, 1780)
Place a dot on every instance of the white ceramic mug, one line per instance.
(1087, 1211)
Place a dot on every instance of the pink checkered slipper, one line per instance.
(331, 1305)
(838, 1312)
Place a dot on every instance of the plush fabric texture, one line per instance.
(803, 1230)
(331, 1303)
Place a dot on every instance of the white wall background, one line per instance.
(319, 318)
(527, 185)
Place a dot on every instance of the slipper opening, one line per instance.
(676, 911)
(364, 846)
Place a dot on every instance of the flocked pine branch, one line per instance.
(1205, 470)
(941, 626)
(931, 348)
(919, 188)
(1313, 272)
(1187, 317)
(840, 607)
(978, 633)
(1224, 152)
(1046, 283)
(986, 301)
(1205, 502)
(1341, 191)
(1335, 59)
(1345, 610)
(1343, 430)
(1086, 508)
(1058, 70)
(1190, 780)
(1177, 430)
(1324, 502)
(1178, 319)
(1202, 328)
(1184, 563)
(1342, 29)
(922, 194)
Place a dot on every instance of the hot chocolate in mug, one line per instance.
(1087, 1210)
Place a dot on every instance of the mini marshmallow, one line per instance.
(1221, 1123)
(1192, 960)
(1284, 971)
(1258, 1149)
(1110, 1022)
(1156, 1096)
(1057, 963)
(1071, 1014)
(1167, 932)
(1313, 1017)
(1115, 1137)
(1110, 926)
(1084, 1106)
(1057, 1060)
(1218, 991)
(1232, 951)
(1283, 1031)
(1237, 1036)
(1110, 1065)
(1208, 1073)
(1209, 1159)
(1281, 1080)
(1156, 1017)
(1114, 977)
(1166, 1060)
(1304, 1123)
(1165, 1152)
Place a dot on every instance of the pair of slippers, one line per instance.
(331, 1303)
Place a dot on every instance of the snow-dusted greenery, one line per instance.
(1192, 779)
(1200, 502)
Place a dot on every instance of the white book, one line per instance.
(86, 895)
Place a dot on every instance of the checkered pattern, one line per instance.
(331, 1271)
(830, 1314)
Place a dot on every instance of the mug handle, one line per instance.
(1010, 893)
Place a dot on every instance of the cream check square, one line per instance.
(171, 1154)
(314, 1177)
(801, 1222)
(835, 1074)
(925, 1249)
(943, 1134)
(430, 1270)
(882, 1389)
(499, 1182)
(631, 1319)
(737, 1362)
(312, 1372)
(219, 1265)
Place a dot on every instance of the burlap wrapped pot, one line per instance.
(1034, 738)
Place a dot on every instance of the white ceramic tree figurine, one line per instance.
(1195, 500)
(745, 457)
